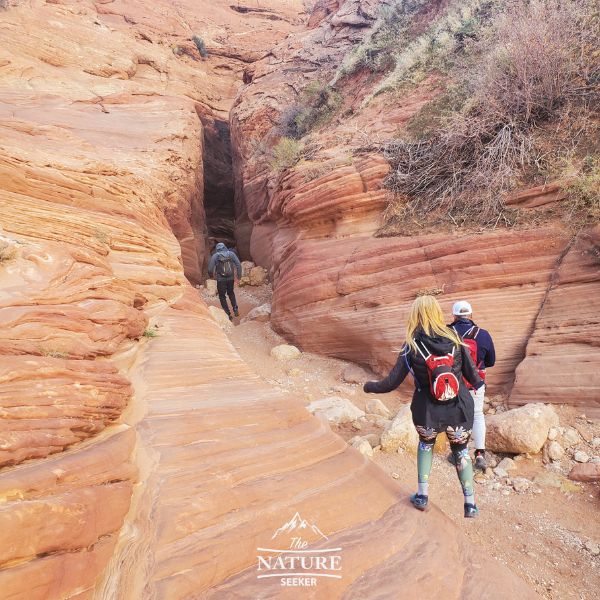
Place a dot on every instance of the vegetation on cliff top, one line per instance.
(521, 100)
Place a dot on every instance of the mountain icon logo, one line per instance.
(299, 525)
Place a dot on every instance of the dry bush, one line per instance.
(536, 59)
(286, 154)
(317, 104)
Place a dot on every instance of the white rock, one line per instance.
(520, 484)
(373, 439)
(553, 433)
(500, 472)
(555, 451)
(285, 352)
(570, 437)
(520, 430)
(508, 464)
(363, 447)
(378, 420)
(595, 442)
(247, 266)
(375, 406)
(211, 287)
(400, 433)
(261, 313)
(336, 410)
(592, 548)
(221, 318)
(580, 456)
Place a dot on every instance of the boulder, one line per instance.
(261, 313)
(336, 410)
(588, 472)
(580, 457)
(211, 287)
(375, 406)
(247, 266)
(285, 352)
(218, 314)
(373, 438)
(570, 437)
(258, 276)
(520, 430)
(521, 484)
(400, 433)
(363, 447)
(354, 374)
(508, 464)
(554, 450)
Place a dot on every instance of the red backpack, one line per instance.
(470, 341)
(443, 383)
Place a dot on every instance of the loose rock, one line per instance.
(520, 430)
(570, 437)
(521, 484)
(554, 451)
(375, 406)
(336, 410)
(401, 432)
(500, 472)
(285, 352)
(258, 276)
(588, 472)
(580, 457)
(508, 464)
(261, 314)
(592, 548)
(363, 447)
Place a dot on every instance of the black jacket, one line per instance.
(426, 410)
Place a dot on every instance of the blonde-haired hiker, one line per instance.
(438, 360)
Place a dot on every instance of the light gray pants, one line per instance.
(479, 419)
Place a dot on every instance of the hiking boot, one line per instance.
(471, 511)
(480, 463)
(419, 502)
(230, 317)
(236, 312)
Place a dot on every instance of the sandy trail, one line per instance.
(539, 534)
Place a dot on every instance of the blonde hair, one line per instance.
(427, 314)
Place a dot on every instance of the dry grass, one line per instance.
(535, 61)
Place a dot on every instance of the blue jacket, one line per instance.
(486, 353)
(222, 251)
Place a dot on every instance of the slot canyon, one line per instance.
(142, 454)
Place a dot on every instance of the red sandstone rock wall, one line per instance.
(342, 291)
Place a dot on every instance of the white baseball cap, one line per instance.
(461, 308)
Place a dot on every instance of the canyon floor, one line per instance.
(540, 534)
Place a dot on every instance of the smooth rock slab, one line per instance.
(261, 313)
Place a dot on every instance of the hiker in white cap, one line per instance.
(481, 348)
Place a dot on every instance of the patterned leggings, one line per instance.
(458, 438)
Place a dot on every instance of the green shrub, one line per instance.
(317, 105)
(286, 154)
(200, 45)
(150, 332)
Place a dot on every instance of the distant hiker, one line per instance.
(223, 266)
(438, 360)
(481, 348)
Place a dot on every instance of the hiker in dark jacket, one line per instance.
(223, 266)
(486, 357)
(427, 334)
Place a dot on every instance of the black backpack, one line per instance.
(224, 265)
